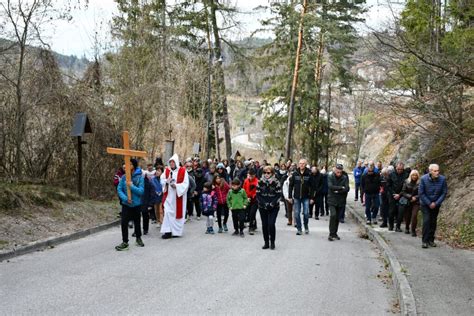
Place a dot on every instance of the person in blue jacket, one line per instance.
(358, 170)
(150, 198)
(431, 192)
(131, 208)
(322, 199)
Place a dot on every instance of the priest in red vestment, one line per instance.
(175, 182)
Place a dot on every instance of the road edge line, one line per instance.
(54, 241)
(399, 279)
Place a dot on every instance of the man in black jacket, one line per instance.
(395, 185)
(317, 182)
(370, 184)
(299, 194)
(338, 184)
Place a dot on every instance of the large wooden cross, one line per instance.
(127, 153)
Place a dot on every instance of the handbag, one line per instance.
(403, 201)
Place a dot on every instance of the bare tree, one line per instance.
(23, 22)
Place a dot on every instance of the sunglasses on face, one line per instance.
(268, 173)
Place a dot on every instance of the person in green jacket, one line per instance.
(237, 202)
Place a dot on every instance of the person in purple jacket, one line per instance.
(432, 192)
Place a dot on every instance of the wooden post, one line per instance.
(127, 153)
(79, 165)
(128, 172)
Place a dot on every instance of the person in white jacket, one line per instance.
(289, 206)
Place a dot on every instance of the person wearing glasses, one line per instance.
(268, 199)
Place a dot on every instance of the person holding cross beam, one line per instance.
(131, 206)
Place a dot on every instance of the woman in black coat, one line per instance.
(268, 199)
(412, 202)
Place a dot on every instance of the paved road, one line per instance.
(201, 274)
(442, 278)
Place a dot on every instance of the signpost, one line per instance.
(127, 153)
(196, 149)
(169, 146)
(80, 127)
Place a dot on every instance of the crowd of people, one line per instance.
(171, 195)
(399, 193)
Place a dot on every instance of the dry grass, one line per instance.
(33, 212)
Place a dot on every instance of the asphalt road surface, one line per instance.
(201, 274)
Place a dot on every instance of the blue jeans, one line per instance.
(297, 208)
(358, 189)
(372, 204)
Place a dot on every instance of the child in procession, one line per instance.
(237, 202)
(208, 206)
(221, 188)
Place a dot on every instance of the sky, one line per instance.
(77, 36)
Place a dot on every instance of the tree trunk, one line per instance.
(20, 113)
(328, 136)
(359, 131)
(216, 132)
(291, 110)
(220, 78)
(209, 86)
(318, 76)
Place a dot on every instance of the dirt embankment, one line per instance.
(35, 212)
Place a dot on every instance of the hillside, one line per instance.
(70, 66)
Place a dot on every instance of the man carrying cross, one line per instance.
(131, 207)
(130, 190)
(175, 183)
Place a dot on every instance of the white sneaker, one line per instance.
(158, 225)
(198, 218)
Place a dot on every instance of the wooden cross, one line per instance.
(127, 153)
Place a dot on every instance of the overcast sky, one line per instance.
(77, 36)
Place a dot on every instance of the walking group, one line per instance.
(171, 195)
(399, 193)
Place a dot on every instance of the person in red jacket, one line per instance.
(221, 188)
(250, 187)
(118, 175)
